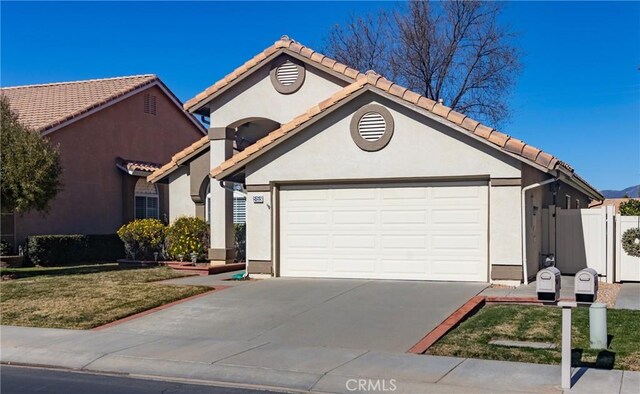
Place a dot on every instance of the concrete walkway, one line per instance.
(567, 288)
(292, 368)
(629, 296)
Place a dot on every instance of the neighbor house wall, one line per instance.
(420, 148)
(91, 200)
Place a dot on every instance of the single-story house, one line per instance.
(111, 133)
(348, 175)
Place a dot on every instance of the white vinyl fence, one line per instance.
(590, 238)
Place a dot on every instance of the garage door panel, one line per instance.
(349, 264)
(385, 232)
(308, 241)
(354, 194)
(347, 241)
(399, 216)
(416, 242)
(454, 242)
(396, 266)
(354, 217)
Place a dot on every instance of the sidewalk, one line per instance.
(335, 370)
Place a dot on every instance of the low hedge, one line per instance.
(60, 250)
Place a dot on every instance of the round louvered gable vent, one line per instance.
(371, 126)
(287, 73)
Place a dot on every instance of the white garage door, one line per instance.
(413, 231)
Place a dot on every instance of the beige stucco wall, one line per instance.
(255, 97)
(180, 202)
(505, 245)
(259, 227)
(420, 148)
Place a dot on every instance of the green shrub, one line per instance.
(5, 248)
(240, 241)
(188, 235)
(60, 250)
(142, 237)
(630, 208)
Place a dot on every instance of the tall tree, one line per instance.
(454, 50)
(30, 166)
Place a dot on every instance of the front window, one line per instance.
(146, 200)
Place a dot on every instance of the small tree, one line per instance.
(29, 165)
(630, 208)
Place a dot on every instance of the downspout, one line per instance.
(523, 225)
(232, 190)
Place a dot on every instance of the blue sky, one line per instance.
(578, 96)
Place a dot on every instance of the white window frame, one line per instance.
(148, 211)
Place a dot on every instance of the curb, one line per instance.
(451, 322)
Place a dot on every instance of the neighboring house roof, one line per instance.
(136, 167)
(48, 107)
(375, 82)
(615, 202)
(179, 158)
(284, 45)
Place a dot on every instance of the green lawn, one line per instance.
(85, 296)
(543, 324)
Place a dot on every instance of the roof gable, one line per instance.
(48, 107)
(378, 84)
(283, 46)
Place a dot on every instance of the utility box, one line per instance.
(548, 284)
(586, 285)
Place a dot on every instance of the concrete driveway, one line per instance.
(357, 314)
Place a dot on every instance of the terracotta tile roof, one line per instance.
(615, 202)
(284, 43)
(136, 165)
(371, 79)
(173, 164)
(44, 106)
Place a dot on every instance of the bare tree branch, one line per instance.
(455, 51)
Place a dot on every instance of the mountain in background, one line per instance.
(632, 191)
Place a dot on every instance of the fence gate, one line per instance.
(581, 240)
(627, 267)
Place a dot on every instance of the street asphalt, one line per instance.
(23, 380)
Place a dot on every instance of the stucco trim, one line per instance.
(273, 75)
(372, 146)
(221, 133)
(258, 188)
(221, 254)
(506, 272)
(358, 181)
(506, 181)
(260, 267)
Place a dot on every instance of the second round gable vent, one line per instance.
(372, 126)
(287, 73)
